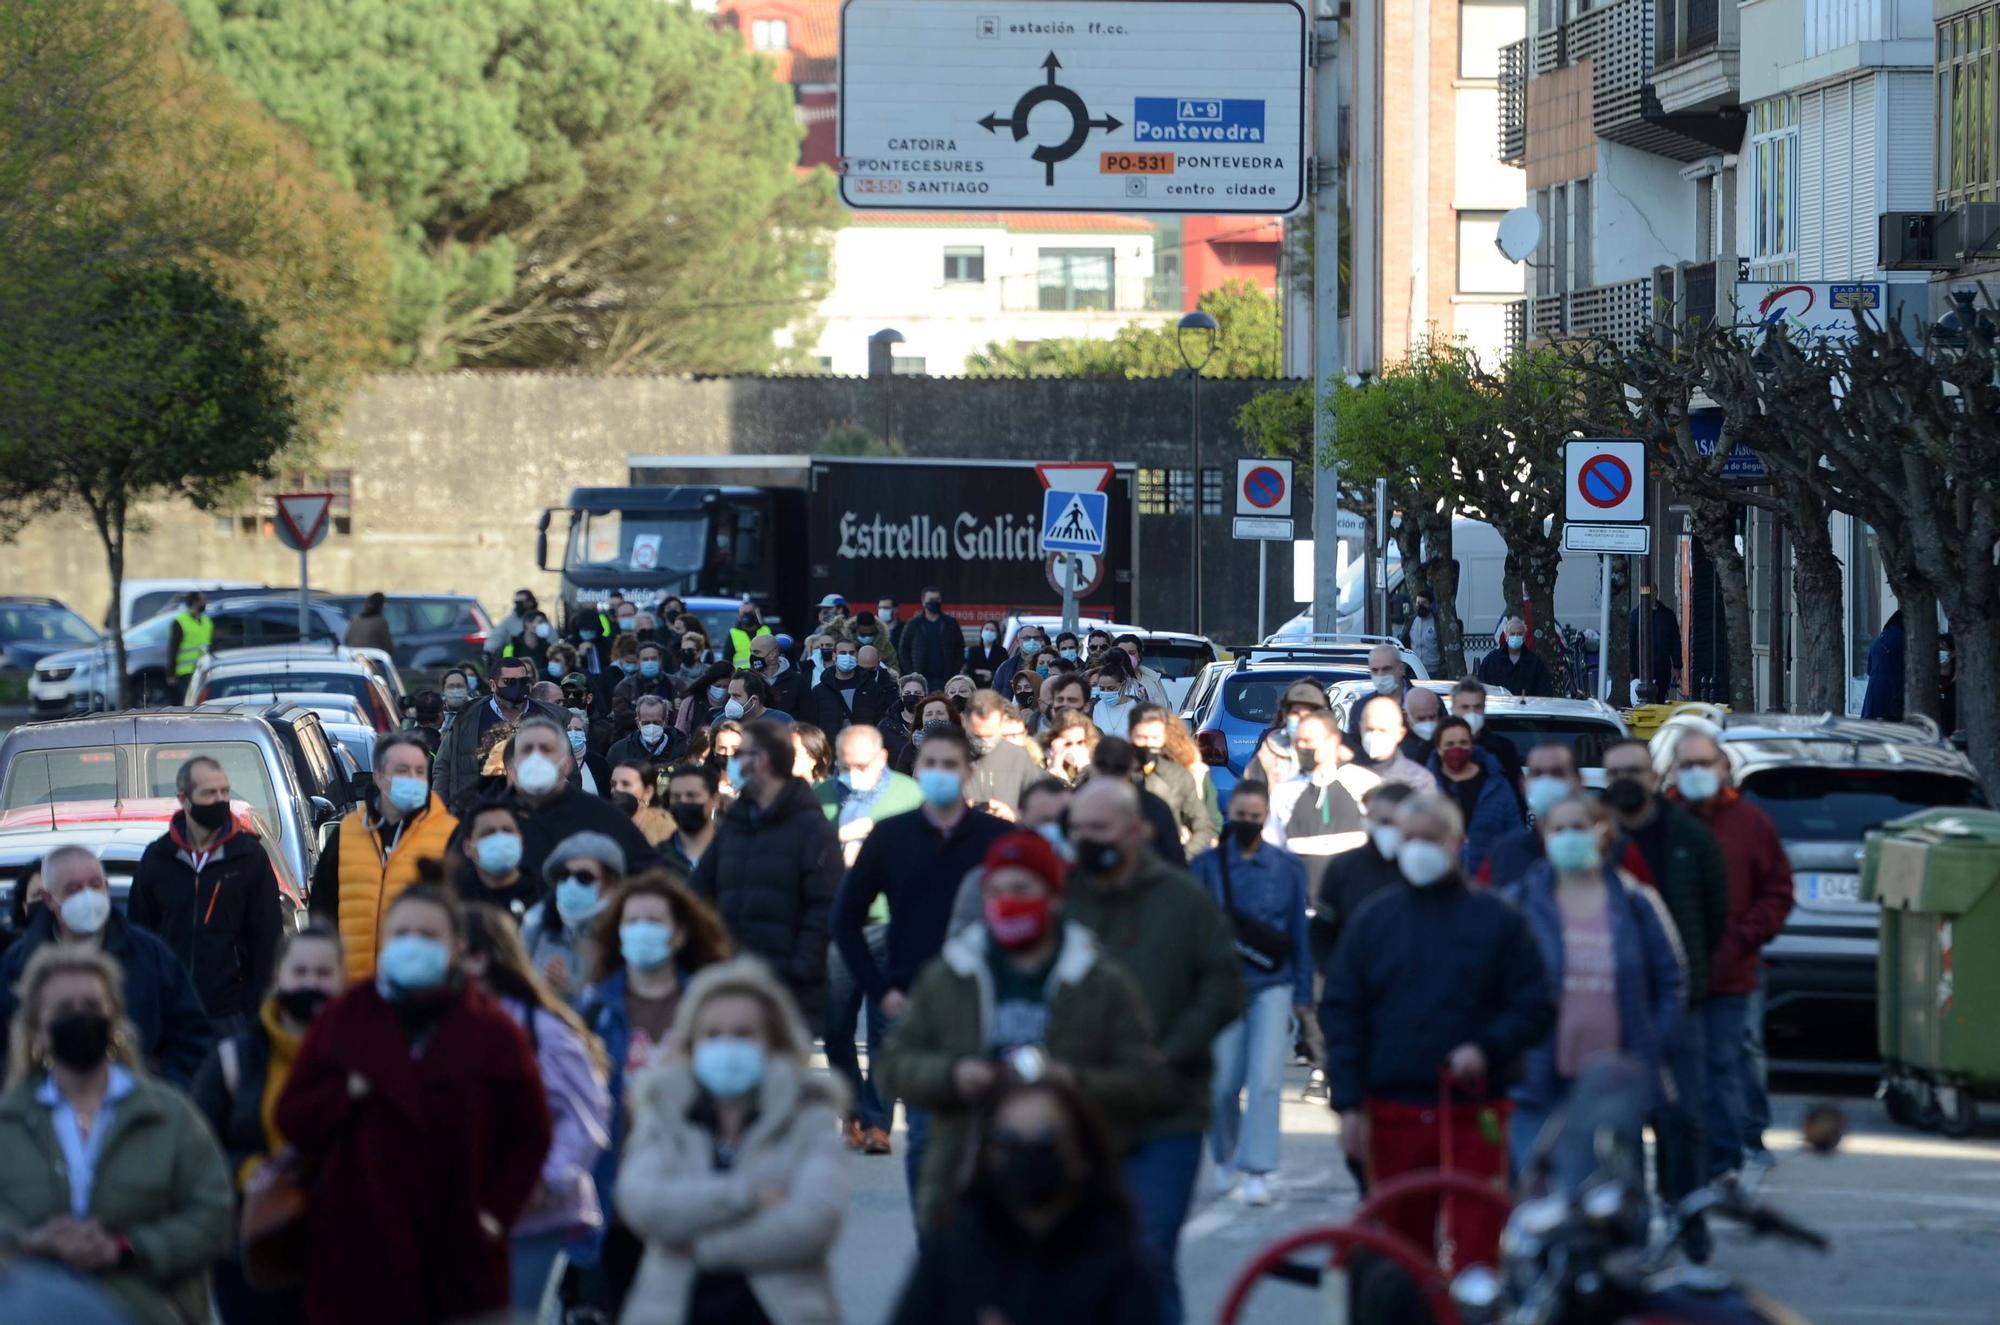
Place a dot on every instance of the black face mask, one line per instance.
(756, 662)
(1625, 796)
(689, 818)
(1423, 609)
(211, 816)
(1245, 832)
(1097, 857)
(301, 1005)
(1029, 1175)
(627, 803)
(512, 693)
(911, 699)
(826, 655)
(1308, 760)
(80, 1040)
(933, 607)
(689, 657)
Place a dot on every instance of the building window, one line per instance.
(1211, 492)
(1774, 187)
(770, 34)
(1482, 268)
(825, 363)
(1968, 82)
(1484, 26)
(964, 266)
(1152, 492)
(1180, 491)
(907, 365)
(1076, 278)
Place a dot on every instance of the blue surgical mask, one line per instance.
(1031, 647)
(1291, 725)
(650, 668)
(1069, 655)
(411, 964)
(1545, 793)
(1573, 851)
(1698, 784)
(940, 786)
(577, 901)
(586, 635)
(1516, 641)
(626, 665)
(987, 636)
(576, 742)
(732, 769)
(716, 694)
(864, 639)
(733, 709)
(645, 943)
(628, 623)
(651, 732)
(499, 853)
(727, 1067)
(843, 662)
(409, 794)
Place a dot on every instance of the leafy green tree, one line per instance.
(154, 383)
(1249, 342)
(568, 183)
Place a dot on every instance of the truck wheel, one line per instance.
(1909, 1104)
(1958, 1115)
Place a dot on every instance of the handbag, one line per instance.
(1265, 947)
(273, 1230)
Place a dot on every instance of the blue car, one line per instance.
(33, 628)
(1242, 705)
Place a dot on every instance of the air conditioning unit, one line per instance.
(1977, 230)
(1918, 241)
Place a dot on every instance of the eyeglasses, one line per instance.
(582, 876)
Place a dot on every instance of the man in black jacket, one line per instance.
(653, 741)
(551, 807)
(1168, 780)
(208, 889)
(933, 642)
(1435, 987)
(790, 686)
(846, 694)
(1114, 757)
(774, 865)
(1001, 770)
(1514, 664)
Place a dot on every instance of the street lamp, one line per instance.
(1204, 325)
(882, 363)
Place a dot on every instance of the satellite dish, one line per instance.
(1519, 235)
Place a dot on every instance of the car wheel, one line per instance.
(1958, 1115)
(1910, 1104)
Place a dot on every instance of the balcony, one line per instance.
(1514, 102)
(1621, 314)
(1515, 332)
(1696, 58)
(1619, 42)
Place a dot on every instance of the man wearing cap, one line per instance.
(1275, 762)
(1018, 994)
(833, 617)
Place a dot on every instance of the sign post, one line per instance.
(1074, 511)
(302, 525)
(1605, 497)
(1263, 513)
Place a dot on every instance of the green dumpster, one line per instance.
(1936, 875)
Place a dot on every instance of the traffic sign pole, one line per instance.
(1069, 612)
(1326, 193)
(305, 600)
(1604, 626)
(1263, 567)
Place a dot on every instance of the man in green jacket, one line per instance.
(1022, 993)
(1162, 927)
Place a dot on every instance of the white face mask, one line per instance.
(1425, 728)
(1476, 720)
(1387, 838)
(1545, 793)
(537, 774)
(1379, 745)
(85, 912)
(1423, 863)
(1385, 683)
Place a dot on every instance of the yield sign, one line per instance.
(1074, 475)
(302, 518)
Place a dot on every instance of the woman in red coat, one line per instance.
(418, 1110)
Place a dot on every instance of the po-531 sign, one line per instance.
(1073, 105)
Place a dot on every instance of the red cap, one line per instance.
(1032, 852)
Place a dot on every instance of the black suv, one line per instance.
(431, 631)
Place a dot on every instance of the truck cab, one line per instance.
(688, 540)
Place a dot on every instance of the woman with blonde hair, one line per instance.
(733, 1174)
(106, 1172)
(1182, 750)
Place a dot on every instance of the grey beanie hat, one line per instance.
(588, 846)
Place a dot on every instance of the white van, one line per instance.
(142, 600)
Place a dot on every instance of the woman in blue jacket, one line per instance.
(1614, 967)
(1475, 780)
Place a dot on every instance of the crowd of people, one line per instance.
(544, 1041)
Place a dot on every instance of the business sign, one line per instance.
(1073, 105)
(1809, 310)
(1743, 465)
(1605, 481)
(1627, 539)
(1264, 488)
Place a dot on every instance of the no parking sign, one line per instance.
(1264, 487)
(1606, 481)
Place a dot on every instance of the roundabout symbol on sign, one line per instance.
(1604, 481)
(1080, 122)
(1265, 487)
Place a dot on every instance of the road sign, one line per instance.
(302, 519)
(1073, 521)
(1089, 572)
(1074, 475)
(1264, 487)
(1605, 481)
(1270, 528)
(1629, 539)
(1073, 105)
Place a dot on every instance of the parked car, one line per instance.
(1242, 703)
(1827, 782)
(1346, 647)
(1176, 655)
(118, 832)
(80, 680)
(31, 629)
(1587, 726)
(431, 631)
(278, 759)
(268, 673)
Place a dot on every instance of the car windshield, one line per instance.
(637, 541)
(1843, 804)
(99, 773)
(1585, 738)
(1254, 696)
(1173, 660)
(40, 623)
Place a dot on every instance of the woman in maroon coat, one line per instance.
(417, 1108)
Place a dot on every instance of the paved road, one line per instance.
(1913, 1219)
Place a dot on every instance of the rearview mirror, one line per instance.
(322, 810)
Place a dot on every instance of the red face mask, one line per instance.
(1017, 922)
(1456, 758)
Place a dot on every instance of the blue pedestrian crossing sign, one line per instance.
(1073, 521)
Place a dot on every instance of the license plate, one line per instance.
(1831, 887)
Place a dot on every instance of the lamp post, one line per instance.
(1204, 325)
(882, 363)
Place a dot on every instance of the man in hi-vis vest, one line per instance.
(373, 853)
(187, 639)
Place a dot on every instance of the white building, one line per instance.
(953, 283)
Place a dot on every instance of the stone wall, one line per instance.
(450, 474)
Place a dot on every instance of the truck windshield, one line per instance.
(637, 541)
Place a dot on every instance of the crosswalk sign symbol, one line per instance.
(1073, 521)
